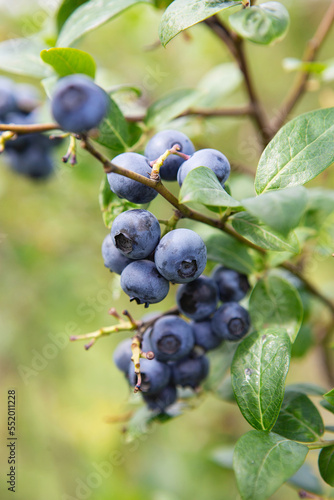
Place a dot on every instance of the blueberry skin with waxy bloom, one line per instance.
(211, 158)
(159, 144)
(155, 375)
(136, 233)
(113, 259)
(204, 335)
(122, 355)
(190, 371)
(181, 256)
(171, 338)
(127, 188)
(231, 321)
(232, 285)
(159, 402)
(143, 283)
(198, 299)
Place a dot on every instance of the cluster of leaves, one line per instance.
(261, 233)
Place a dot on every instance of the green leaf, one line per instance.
(217, 83)
(300, 151)
(325, 404)
(201, 185)
(91, 15)
(281, 210)
(258, 370)
(305, 388)
(223, 456)
(326, 465)
(171, 105)
(220, 361)
(229, 252)
(299, 419)
(49, 85)
(264, 24)
(304, 341)
(254, 230)
(329, 396)
(306, 480)
(263, 462)
(319, 206)
(65, 10)
(113, 131)
(274, 301)
(21, 56)
(183, 14)
(69, 61)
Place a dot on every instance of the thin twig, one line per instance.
(26, 129)
(300, 84)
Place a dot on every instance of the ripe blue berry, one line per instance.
(232, 286)
(7, 97)
(143, 283)
(171, 338)
(127, 188)
(231, 321)
(190, 371)
(210, 158)
(180, 256)
(136, 233)
(159, 144)
(154, 376)
(32, 162)
(198, 299)
(204, 335)
(122, 355)
(113, 259)
(78, 104)
(161, 401)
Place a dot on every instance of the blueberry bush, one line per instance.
(245, 304)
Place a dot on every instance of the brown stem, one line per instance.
(29, 129)
(310, 53)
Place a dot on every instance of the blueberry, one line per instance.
(180, 256)
(7, 97)
(122, 356)
(210, 158)
(143, 283)
(146, 340)
(27, 97)
(32, 163)
(127, 188)
(154, 376)
(113, 259)
(171, 338)
(233, 286)
(231, 321)
(164, 140)
(190, 371)
(204, 335)
(161, 401)
(78, 104)
(136, 233)
(198, 299)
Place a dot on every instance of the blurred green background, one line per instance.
(53, 283)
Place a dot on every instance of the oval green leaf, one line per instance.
(226, 250)
(65, 10)
(274, 301)
(66, 61)
(219, 82)
(300, 151)
(326, 464)
(91, 15)
(263, 462)
(258, 371)
(329, 396)
(182, 14)
(299, 419)
(21, 56)
(264, 24)
(202, 186)
(170, 106)
(113, 131)
(255, 231)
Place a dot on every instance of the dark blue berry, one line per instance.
(210, 158)
(122, 355)
(181, 256)
(198, 299)
(136, 233)
(232, 285)
(159, 144)
(204, 335)
(32, 162)
(78, 104)
(190, 371)
(7, 97)
(127, 188)
(159, 402)
(154, 376)
(143, 283)
(231, 321)
(171, 338)
(113, 259)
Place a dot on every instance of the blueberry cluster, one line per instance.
(179, 346)
(147, 263)
(28, 154)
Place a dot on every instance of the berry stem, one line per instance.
(123, 326)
